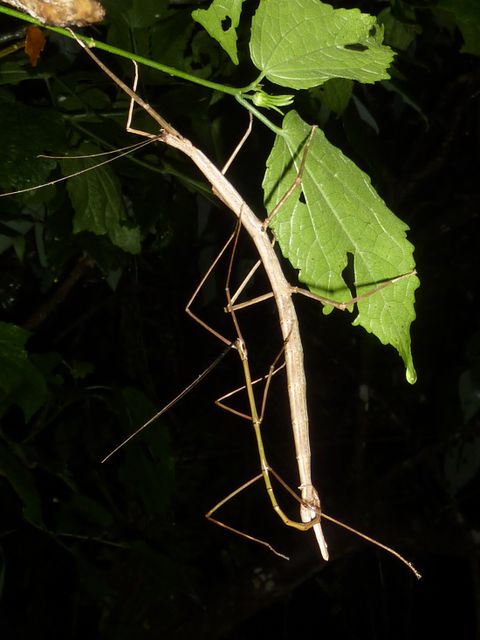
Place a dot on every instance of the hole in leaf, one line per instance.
(373, 32)
(355, 47)
(301, 197)
(226, 23)
(348, 275)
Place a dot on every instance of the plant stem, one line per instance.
(91, 42)
(258, 114)
(238, 93)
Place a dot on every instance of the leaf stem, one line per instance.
(258, 114)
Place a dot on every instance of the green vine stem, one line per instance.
(241, 94)
(92, 43)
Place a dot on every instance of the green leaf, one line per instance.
(398, 34)
(12, 73)
(80, 369)
(97, 201)
(144, 13)
(170, 40)
(21, 383)
(467, 17)
(336, 94)
(221, 20)
(303, 43)
(340, 214)
(23, 484)
(26, 132)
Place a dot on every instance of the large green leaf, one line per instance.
(303, 43)
(336, 213)
(21, 383)
(221, 21)
(97, 200)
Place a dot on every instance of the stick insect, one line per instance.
(280, 287)
(282, 293)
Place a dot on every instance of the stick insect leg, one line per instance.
(230, 239)
(200, 285)
(344, 305)
(266, 378)
(235, 152)
(237, 531)
(348, 527)
(128, 127)
(225, 246)
(255, 417)
(325, 301)
(168, 406)
(296, 182)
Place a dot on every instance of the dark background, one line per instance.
(122, 550)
